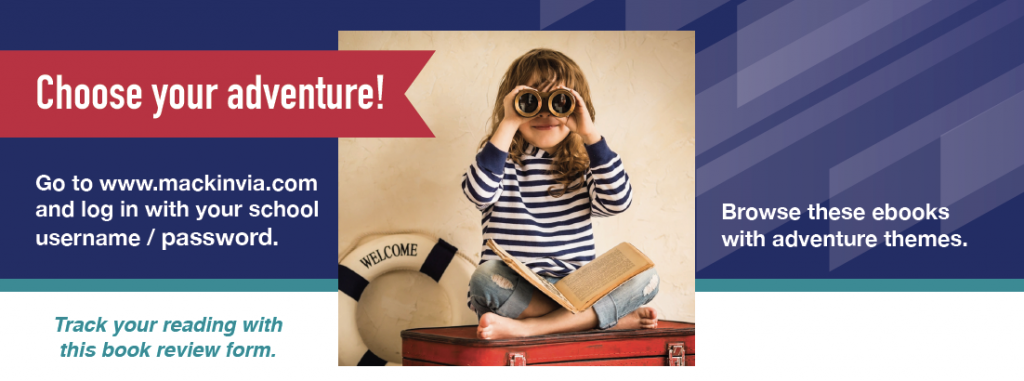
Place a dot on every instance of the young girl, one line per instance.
(538, 182)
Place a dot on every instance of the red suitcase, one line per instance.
(672, 343)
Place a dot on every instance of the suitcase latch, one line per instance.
(516, 359)
(676, 354)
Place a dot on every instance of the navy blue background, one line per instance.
(994, 250)
(240, 25)
(306, 246)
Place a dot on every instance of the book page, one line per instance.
(599, 277)
(540, 283)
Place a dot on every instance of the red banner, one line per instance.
(209, 94)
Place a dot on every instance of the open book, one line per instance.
(583, 287)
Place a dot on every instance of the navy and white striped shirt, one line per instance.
(553, 236)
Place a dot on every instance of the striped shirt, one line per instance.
(553, 236)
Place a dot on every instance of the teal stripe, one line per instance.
(860, 285)
(168, 285)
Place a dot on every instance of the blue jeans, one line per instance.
(497, 288)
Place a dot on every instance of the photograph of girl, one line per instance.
(556, 147)
(538, 181)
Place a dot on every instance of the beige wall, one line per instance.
(642, 86)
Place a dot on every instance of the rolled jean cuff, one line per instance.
(606, 315)
(517, 303)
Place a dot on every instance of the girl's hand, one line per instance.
(580, 122)
(502, 137)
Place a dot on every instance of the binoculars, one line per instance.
(560, 103)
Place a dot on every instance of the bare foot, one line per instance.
(493, 327)
(642, 318)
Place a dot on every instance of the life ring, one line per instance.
(416, 252)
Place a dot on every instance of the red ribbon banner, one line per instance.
(209, 94)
